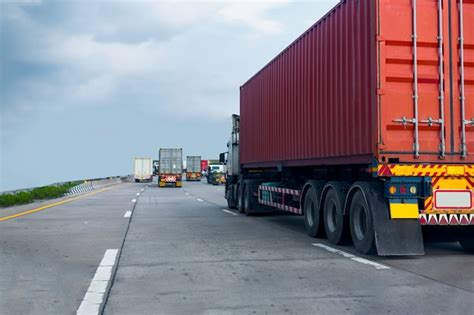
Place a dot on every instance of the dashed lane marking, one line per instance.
(199, 199)
(53, 204)
(134, 200)
(230, 212)
(127, 214)
(94, 296)
(138, 194)
(350, 256)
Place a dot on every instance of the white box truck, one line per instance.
(143, 169)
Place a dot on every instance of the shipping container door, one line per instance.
(419, 80)
(462, 48)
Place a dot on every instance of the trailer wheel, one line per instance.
(335, 223)
(361, 224)
(312, 213)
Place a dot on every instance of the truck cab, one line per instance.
(215, 174)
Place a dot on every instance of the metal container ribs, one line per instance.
(386, 80)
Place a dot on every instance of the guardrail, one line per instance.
(94, 182)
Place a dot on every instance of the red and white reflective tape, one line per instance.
(280, 206)
(447, 219)
(170, 179)
(280, 190)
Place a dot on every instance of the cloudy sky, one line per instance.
(87, 85)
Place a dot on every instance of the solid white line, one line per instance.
(350, 256)
(94, 296)
(127, 214)
(199, 199)
(228, 211)
(134, 200)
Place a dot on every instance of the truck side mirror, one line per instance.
(222, 157)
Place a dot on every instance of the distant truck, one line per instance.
(216, 174)
(204, 165)
(143, 169)
(193, 168)
(171, 167)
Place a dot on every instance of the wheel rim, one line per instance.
(310, 211)
(360, 222)
(332, 216)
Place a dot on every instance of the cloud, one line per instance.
(253, 15)
(84, 86)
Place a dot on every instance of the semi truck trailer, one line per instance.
(364, 125)
(193, 168)
(171, 168)
(142, 169)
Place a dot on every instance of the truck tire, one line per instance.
(231, 204)
(361, 224)
(335, 222)
(249, 203)
(312, 213)
(239, 198)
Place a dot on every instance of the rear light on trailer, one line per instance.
(408, 187)
(392, 190)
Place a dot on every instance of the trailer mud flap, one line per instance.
(394, 237)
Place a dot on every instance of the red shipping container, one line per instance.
(388, 80)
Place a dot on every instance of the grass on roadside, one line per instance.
(40, 193)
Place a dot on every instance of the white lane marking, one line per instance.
(143, 189)
(334, 250)
(352, 257)
(134, 200)
(199, 199)
(370, 263)
(94, 296)
(127, 214)
(138, 194)
(187, 193)
(228, 211)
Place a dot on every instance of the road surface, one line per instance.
(181, 251)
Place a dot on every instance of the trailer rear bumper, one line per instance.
(438, 194)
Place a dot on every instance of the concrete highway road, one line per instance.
(181, 251)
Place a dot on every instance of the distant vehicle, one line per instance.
(367, 133)
(215, 174)
(156, 167)
(193, 168)
(171, 167)
(204, 165)
(143, 169)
